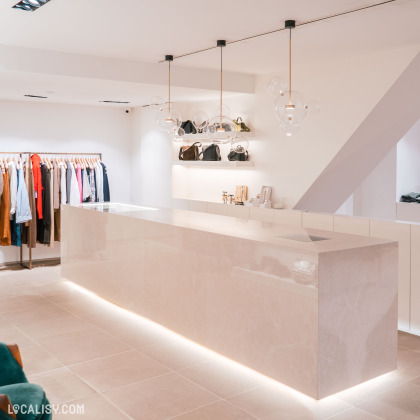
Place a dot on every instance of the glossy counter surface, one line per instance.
(268, 233)
(319, 316)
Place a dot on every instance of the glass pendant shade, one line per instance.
(200, 121)
(239, 145)
(289, 128)
(178, 135)
(168, 120)
(313, 107)
(156, 101)
(221, 129)
(224, 110)
(290, 107)
(276, 86)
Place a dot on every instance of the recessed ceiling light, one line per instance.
(37, 96)
(29, 5)
(115, 102)
(34, 3)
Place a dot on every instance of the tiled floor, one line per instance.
(84, 350)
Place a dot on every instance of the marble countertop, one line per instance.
(310, 240)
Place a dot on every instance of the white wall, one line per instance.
(347, 92)
(151, 161)
(44, 127)
(375, 197)
(408, 162)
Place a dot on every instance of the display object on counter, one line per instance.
(263, 199)
(241, 194)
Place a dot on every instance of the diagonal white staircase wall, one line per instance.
(387, 123)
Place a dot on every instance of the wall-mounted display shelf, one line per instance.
(214, 164)
(202, 137)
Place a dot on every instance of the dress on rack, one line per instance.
(36, 166)
(5, 234)
(107, 195)
(29, 231)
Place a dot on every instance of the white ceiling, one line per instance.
(147, 30)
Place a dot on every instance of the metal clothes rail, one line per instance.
(30, 264)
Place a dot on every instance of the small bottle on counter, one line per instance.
(225, 197)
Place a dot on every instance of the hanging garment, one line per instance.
(93, 185)
(86, 186)
(56, 186)
(99, 182)
(15, 232)
(5, 234)
(107, 195)
(1, 184)
(74, 188)
(11, 166)
(79, 181)
(68, 179)
(52, 194)
(63, 183)
(29, 230)
(44, 224)
(23, 208)
(36, 168)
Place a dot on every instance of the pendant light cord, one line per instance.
(221, 86)
(290, 66)
(169, 89)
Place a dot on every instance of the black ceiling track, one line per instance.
(284, 28)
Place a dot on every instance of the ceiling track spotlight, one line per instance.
(29, 5)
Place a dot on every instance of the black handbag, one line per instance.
(188, 127)
(189, 152)
(211, 152)
(238, 154)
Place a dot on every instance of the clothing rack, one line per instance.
(29, 264)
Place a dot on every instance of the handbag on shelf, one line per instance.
(211, 152)
(240, 125)
(188, 127)
(239, 153)
(189, 152)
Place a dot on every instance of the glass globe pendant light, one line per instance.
(221, 129)
(168, 118)
(290, 106)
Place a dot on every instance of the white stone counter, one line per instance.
(317, 315)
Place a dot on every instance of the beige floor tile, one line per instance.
(4, 324)
(121, 369)
(275, 402)
(17, 303)
(354, 414)
(401, 403)
(45, 332)
(160, 398)
(15, 336)
(95, 408)
(408, 364)
(409, 341)
(221, 410)
(127, 328)
(222, 378)
(370, 389)
(176, 354)
(33, 315)
(86, 347)
(36, 359)
(62, 385)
